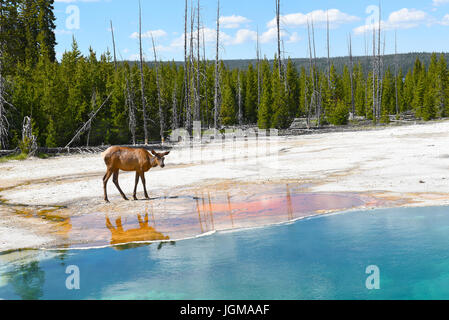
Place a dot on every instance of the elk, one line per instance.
(130, 159)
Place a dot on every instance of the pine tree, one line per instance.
(281, 115)
(293, 91)
(442, 87)
(265, 110)
(360, 90)
(251, 95)
(388, 96)
(409, 89)
(228, 103)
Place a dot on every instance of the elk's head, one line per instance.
(159, 157)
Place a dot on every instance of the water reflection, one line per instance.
(27, 281)
(144, 233)
(262, 205)
(190, 213)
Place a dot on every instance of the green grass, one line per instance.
(22, 156)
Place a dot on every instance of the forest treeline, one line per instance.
(61, 96)
(404, 61)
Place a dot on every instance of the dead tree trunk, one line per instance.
(351, 76)
(216, 107)
(239, 100)
(396, 72)
(186, 76)
(328, 52)
(4, 125)
(159, 100)
(206, 94)
(278, 25)
(28, 139)
(381, 76)
(142, 82)
(258, 72)
(175, 108)
(312, 76)
(197, 116)
(374, 76)
(378, 66)
(316, 81)
(113, 47)
(93, 105)
(88, 123)
(191, 75)
(131, 110)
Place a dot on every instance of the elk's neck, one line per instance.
(153, 162)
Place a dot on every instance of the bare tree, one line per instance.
(142, 82)
(4, 124)
(239, 100)
(378, 87)
(315, 98)
(131, 109)
(365, 38)
(259, 82)
(317, 93)
(93, 103)
(278, 26)
(312, 77)
(328, 51)
(159, 99)
(113, 47)
(396, 71)
(174, 107)
(88, 123)
(28, 139)
(192, 84)
(197, 115)
(186, 76)
(206, 95)
(217, 84)
(374, 76)
(351, 75)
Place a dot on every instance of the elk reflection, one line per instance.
(144, 233)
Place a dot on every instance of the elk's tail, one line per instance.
(106, 156)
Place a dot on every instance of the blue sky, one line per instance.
(420, 25)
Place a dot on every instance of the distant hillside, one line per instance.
(404, 61)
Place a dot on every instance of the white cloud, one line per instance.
(401, 19)
(294, 37)
(244, 35)
(439, 2)
(233, 22)
(445, 20)
(319, 17)
(271, 35)
(156, 34)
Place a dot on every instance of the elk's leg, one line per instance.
(105, 182)
(142, 177)
(135, 186)
(115, 179)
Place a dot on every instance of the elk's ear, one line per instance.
(154, 153)
(166, 153)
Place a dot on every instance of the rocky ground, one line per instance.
(58, 202)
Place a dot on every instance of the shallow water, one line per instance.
(318, 258)
(183, 214)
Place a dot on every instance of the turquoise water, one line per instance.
(319, 258)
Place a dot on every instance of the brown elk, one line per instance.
(130, 159)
